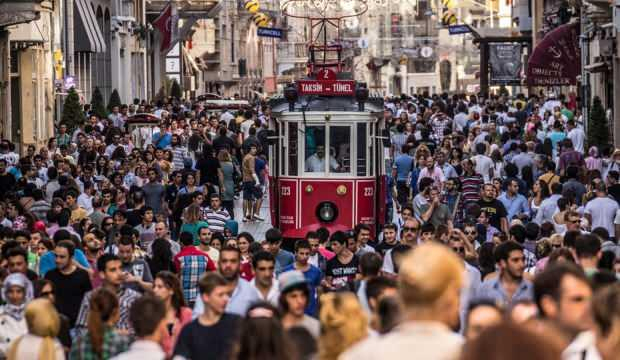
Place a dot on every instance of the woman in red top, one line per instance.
(168, 288)
(244, 240)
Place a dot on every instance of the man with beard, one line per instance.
(70, 282)
(409, 237)
(243, 293)
(509, 286)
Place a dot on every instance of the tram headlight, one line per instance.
(327, 211)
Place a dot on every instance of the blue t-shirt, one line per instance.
(48, 261)
(283, 260)
(556, 137)
(313, 275)
(164, 142)
(403, 165)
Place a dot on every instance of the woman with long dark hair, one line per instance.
(100, 339)
(168, 288)
(161, 256)
(540, 191)
(262, 336)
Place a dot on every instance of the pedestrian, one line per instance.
(16, 293)
(110, 269)
(147, 316)
(431, 277)
(263, 337)
(214, 331)
(101, 339)
(70, 282)
(343, 324)
(294, 299)
(40, 342)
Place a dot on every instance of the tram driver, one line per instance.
(316, 161)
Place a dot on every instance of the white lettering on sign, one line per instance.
(287, 220)
(342, 87)
(369, 191)
(312, 87)
(285, 191)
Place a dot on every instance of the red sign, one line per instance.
(333, 87)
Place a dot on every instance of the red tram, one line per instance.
(327, 164)
(327, 159)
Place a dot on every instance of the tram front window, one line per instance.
(340, 148)
(317, 152)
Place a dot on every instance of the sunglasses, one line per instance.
(460, 250)
(412, 229)
(469, 232)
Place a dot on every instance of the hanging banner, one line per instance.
(556, 60)
(505, 61)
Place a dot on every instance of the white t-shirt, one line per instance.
(603, 211)
(577, 136)
(484, 164)
(460, 121)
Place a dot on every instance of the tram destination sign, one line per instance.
(326, 87)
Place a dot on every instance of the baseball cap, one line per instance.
(291, 279)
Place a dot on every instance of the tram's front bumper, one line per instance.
(300, 233)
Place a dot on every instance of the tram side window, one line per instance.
(340, 149)
(362, 149)
(292, 149)
(315, 149)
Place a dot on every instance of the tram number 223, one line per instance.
(285, 191)
(369, 191)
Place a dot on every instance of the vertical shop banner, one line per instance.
(505, 62)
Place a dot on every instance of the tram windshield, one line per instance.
(333, 155)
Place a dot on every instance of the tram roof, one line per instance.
(326, 103)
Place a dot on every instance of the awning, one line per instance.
(556, 60)
(88, 36)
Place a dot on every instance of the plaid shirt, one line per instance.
(439, 122)
(191, 264)
(113, 344)
(126, 297)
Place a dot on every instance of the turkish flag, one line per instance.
(166, 23)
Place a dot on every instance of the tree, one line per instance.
(598, 129)
(97, 105)
(175, 90)
(72, 114)
(115, 100)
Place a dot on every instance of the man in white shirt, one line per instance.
(148, 320)
(601, 211)
(316, 161)
(576, 135)
(226, 116)
(264, 281)
(484, 164)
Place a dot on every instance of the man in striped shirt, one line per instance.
(216, 216)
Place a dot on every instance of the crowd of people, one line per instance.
(500, 243)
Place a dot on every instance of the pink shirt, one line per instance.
(169, 341)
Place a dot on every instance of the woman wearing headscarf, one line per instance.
(40, 342)
(16, 293)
